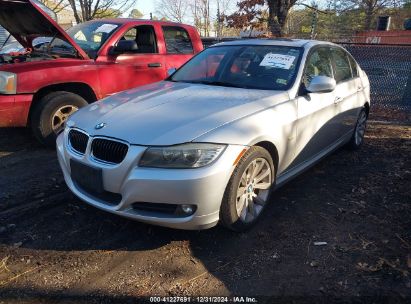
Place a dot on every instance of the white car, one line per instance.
(209, 144)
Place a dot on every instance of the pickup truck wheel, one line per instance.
(248, 190)
(50, 114)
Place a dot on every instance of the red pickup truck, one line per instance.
(92, 60)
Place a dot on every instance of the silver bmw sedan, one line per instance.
(210, 143)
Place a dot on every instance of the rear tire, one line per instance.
(357, 138)
(51, 112)
(248, 190)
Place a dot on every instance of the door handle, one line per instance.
(154, 65)
(338, 99)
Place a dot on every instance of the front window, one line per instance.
(318, 64)
(89, 36)
(244, 66)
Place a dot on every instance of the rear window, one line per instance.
(342, 65)
(177, 40)
(354, 68)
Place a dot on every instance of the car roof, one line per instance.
(128, 20)
(276, 41)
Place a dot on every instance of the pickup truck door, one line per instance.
(178, 46)
(143, 66)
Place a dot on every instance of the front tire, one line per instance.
(248, 190)
(357, 138)
(50, 114)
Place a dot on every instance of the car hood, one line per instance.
(168, 113)
(24, 20)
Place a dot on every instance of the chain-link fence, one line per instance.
(388, 68)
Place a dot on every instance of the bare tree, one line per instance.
(55, 5)
(85, 10)
(195, 11)
(200, 10)
(174, 10)
(222, 9)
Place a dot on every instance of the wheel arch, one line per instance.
(272, 149)
(80, 88)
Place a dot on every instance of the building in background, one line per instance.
(384, 35)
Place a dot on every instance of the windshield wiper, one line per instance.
(219, 83)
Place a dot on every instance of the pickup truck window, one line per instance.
(177, 40)
(145, 37)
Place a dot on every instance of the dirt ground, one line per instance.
(55, 248)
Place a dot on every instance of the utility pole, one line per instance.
(208, 18)
(314, 22)
(151, 16)
(218, 21)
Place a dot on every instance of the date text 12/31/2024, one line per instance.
(206, 299)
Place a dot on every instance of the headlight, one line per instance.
(8, 83)
(192, 155)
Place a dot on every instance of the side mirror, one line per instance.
(125, 46)
(171, 71)
(321, 84)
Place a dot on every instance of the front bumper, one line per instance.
(14, 110)
(202, 187)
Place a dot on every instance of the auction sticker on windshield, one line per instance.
(278, 61)
(106, 28)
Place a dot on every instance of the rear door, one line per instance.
(347, 92)
(178, 46)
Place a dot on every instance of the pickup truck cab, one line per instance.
(90, 61)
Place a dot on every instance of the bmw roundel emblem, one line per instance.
(99, 126)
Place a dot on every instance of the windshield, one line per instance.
(245, 66)
(89, 36)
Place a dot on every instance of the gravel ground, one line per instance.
(56, 249)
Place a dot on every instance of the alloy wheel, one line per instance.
(61, 115)
(253, 189)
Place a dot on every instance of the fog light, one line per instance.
(187, 209)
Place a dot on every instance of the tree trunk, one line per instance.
(74, 8)
(369, 12)
(277, 16)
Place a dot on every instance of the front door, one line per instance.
(316, 126)
(142, 66)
